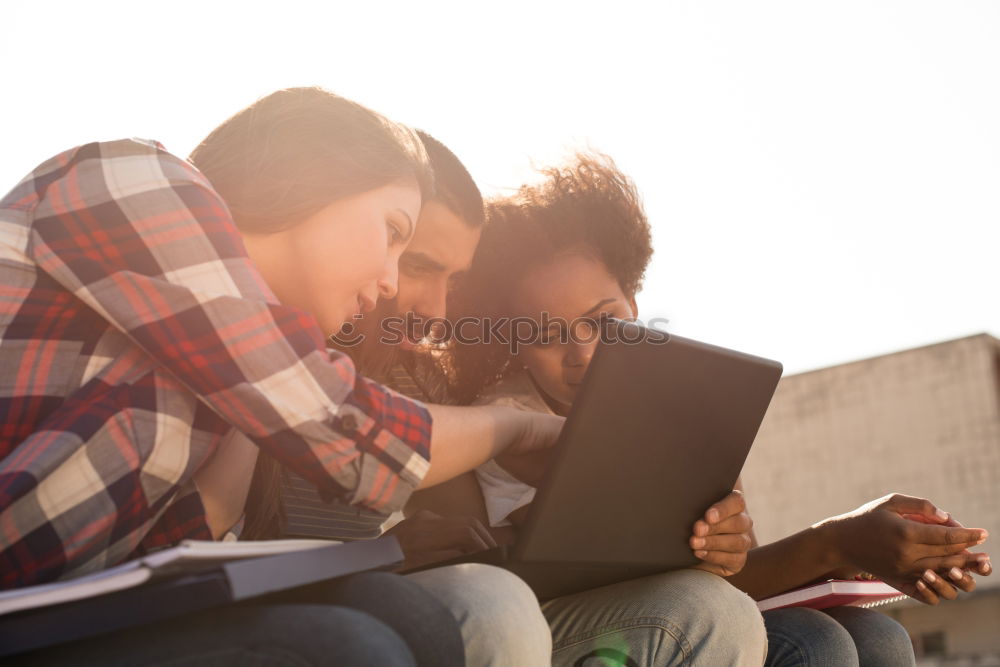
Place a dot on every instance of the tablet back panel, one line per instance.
(659, 431)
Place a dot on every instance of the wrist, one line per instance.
(830, 536)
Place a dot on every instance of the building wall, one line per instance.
(925, 422)
(969, 628)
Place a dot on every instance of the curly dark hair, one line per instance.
(586, 205)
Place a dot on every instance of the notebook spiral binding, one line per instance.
(881, 603)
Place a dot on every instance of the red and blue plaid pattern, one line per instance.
(134, 334)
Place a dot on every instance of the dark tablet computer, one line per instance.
(658, 433)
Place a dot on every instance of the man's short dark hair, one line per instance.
(454, 186)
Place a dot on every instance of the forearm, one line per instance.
(464, 438)
(794, 561)
(460, 496)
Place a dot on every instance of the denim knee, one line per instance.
(737, 634)
(800, 636)
(418, 617)
(879, 639)
(498, 614)
(681, 617)
(317, 635)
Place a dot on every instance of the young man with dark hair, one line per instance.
(439, 255)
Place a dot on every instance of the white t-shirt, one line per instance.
(503, 492)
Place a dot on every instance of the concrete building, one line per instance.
(924, 422)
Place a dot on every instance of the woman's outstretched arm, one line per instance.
(896, 538)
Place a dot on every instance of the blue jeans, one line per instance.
(497, 614)
(373, 618)
(686, 617)
(839, 636)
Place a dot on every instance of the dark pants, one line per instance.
(846, 636)
(374, 618)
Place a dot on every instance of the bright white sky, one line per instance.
(823, 179)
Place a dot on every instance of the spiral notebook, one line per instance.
(835, 593)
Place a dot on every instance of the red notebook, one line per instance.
(835, 593)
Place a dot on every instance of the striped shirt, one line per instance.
(135, 333)
(307, 516)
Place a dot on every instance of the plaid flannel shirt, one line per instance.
(134, 334)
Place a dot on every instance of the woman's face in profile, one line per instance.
(338, 262)
(568, 295)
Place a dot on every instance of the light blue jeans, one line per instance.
(845, 636)
(686, 617)
(497, 613)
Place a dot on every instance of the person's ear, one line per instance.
(635, 308)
